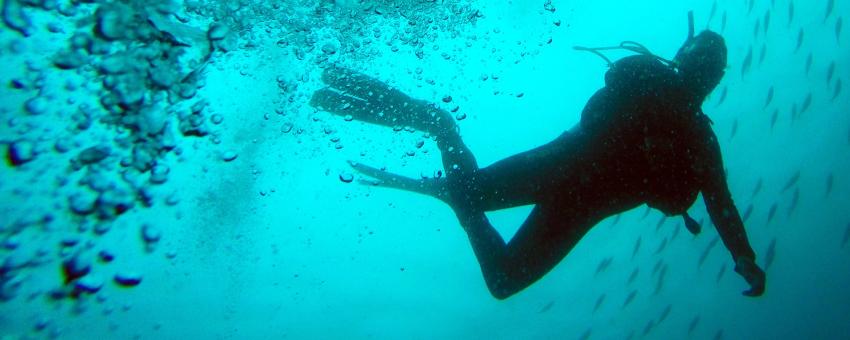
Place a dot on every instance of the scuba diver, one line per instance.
(642, 139)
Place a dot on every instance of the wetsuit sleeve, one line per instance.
(718, 201)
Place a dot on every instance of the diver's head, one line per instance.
(701, 62)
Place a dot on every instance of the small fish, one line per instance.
(806, 103)
(664, 314)
(748, 61)
(846, 236)
(707, 251)
(661, 246)
(604, 264)
(790, 13)
(766, 21)
(747, 213)
(769, 98)
(547, 307)
(676, 231)
(757, 29)
(723, 94)
(629, 298)
(750, 6)
(773, 118)
(838, 26)
(829, 6)
(772, 212)
(636, 248)
(770, 254)
(616, 219)
(633, 276)
(585, 335)
(599, 302)
(660, 222)
(713, 11)
(720, 273)
(794, 200)
(837, 91)
(809, 60)
(794, 113)
(762, 53)
(734, 129)
(657, 267)
(829, 181)
(693, 325)
(800, 37)
(757, 189)
(791, 181)
(723, 23)
(660, 283)
(718, 335)
(646, 212)
(830, 71)
(648, 328)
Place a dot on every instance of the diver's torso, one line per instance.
(647, 136)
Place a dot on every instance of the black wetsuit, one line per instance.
(642, 139)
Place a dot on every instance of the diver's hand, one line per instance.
(751, 272)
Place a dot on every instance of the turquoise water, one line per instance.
(165, 177)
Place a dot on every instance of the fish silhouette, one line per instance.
(773, 118)
(800, 37)
(723, 94)
(809, 60)
(664, 313)
(770, 254)
(748, 61)
(747, 213)
(629, 298)
(829, 182)
(636, 248)
(769, 98)
(706, 251)
(633, 276)
(720, 273)
(830, 71)
(757, 188)
(790, 13)
(791, 181)
(693, 325)
(766, 21)
(837, 91)
(829, 6)
(661, 246)
(599, 302)
(772, 212)
(794, 200)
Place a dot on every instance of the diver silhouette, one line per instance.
(641, 139)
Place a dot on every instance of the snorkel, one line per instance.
(688, 45)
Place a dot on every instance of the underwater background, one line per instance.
(164, 176)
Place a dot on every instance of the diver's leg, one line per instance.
(544, 239)
(514, 181)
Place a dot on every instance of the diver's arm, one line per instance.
(727, 220)
(721, 208)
